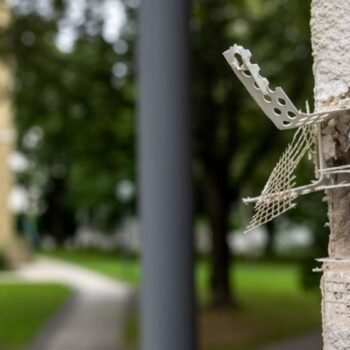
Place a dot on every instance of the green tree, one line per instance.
(75, 117)
(75, 114)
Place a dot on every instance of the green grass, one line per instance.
(24, 308)
(273, 305)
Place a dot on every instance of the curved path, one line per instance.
(92, 319)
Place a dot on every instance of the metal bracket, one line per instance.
(275, 103)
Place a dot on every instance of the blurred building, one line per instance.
(6, 140)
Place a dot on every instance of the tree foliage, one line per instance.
(74, 114)
(75, 111)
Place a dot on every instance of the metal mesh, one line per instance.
(277, 196)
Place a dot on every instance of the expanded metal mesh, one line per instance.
(277, 196)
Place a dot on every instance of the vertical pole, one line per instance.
(165, 165)
(6, 139)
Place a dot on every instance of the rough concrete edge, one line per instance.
(52, 324)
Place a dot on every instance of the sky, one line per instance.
(110, 11)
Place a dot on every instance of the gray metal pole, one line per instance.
(165, 165)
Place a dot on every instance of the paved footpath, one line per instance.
(312, 341)
(92, 319)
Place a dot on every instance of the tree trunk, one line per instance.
(221, 294)
(330, 28)
(60, 221)
(271, 235)
(220, 274)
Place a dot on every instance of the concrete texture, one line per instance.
(92, 319)
(312, 341)
(330, 34)
(330, 40)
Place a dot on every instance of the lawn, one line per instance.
(24, 309)
(273, 306)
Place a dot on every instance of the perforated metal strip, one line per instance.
(275, 103)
